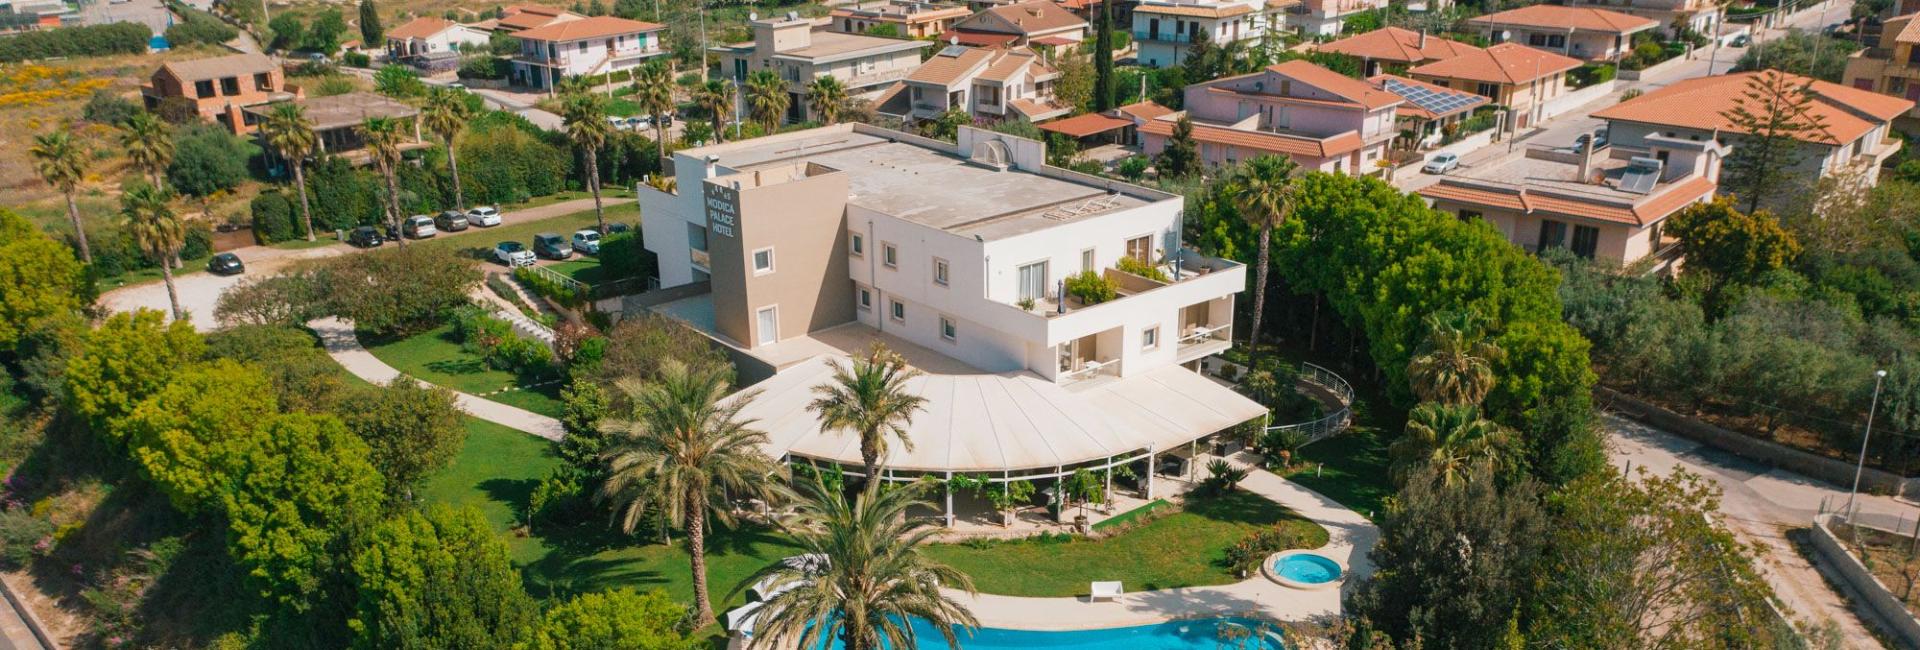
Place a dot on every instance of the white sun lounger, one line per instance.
(1106, 591)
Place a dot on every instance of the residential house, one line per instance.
(990, 83)
(1035, 22)
(1325, 121)
(801, 51)
(1608, 204)
(1311, 18)
(519, 18)
(1584, 33)
(587, 46)
(336, 121)
(908, 18)
(1518, 77)
(1698, 16)
(799, 250)
(1394, 49)
(1429, 110)
(221, 88)
(1165, 29)
(1855, 123)
(1891, 67)
(430, 41)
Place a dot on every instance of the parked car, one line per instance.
(587, 241)
(552, 246)
(618, 123)
(666, 119)
(1741, 41)
(639, 123)
(458, 86)
(451, 221)
(1599, 139)
(617, 227)
(1441, 164)
(418, 226)
(366, 237)
(513, 254)
(485, 216)
(226, 264)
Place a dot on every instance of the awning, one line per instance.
(1081, 126)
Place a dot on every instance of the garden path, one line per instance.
(336, 335)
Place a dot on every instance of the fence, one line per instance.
(1332, 423)
(561, 278)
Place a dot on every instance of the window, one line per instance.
(1150, 338)
(696, 237)
(857, 245)
(1469, 215)
(230, 86)
(1086, 260)
(1552, 233)
(1033, 281)
(767, 324)
(263, 82)
(947, 330)
(866, 299)
(1141, 248)
(1489, 91)
(763, 261)
(899, 310)
(203, 89)
(1585, 240)
(939, 271)
(889, 255)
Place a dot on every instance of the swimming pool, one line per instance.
(1305, 569)
(1195, 634)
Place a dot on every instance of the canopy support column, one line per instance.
(1193, 459)
(949, 513)
(1151, 470)
(1109, 492)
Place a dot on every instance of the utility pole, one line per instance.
(1879, 376)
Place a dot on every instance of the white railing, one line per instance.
(1089, 369)
(1206, 335)
(561, 278)
(1332, 423)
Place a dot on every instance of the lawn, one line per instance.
(1352, 467)
(435, 357)
(1183, 549)
(582, 269)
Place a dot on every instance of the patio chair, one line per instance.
(1106, 591)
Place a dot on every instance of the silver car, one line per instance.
(1441, 164)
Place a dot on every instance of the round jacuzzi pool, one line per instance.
(1304, 569)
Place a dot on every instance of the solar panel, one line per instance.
(1434, 101)
(1640, 177)
(953, 50)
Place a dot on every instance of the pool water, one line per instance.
(1196, 634)
(1308, 568)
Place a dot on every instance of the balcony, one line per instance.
(1195, 279)
(558, 60)
(1162, 37)
(1204, 341)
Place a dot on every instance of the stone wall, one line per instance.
(1887, 608)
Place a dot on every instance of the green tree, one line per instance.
(288, 32)
(653, 83)
(1075, 86)
(287, 131)
(157, 231)
(325, 32)
(398, 82)
(1200, 61)
(306, 491)
(128, 358)
(1105, 97)
(1768, 122)
(1455, 363)
(869, 398)
(827, 97)
(395, 291)
(441, 579)
(586, 119)
(716, 98)
(62, 165)
(767, 98)
(1451, 438)
(616, 618)
(412, 431)
(192, 437)
(383, 137)
(207, 159)
(683, 451)
(1265, 189)
(873, 580)
(371, 31)
(446, 116)
(148, 141)
(39, 280)
(1731, 245)
(1181, 157)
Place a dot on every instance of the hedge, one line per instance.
(92, 40)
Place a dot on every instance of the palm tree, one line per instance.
(767, 98)
(383, 138)
(446, 115)
(654, 94)
(149, 144)
(863, 576)
(287, 131)
(1265, 196)
(716, 98)
(1454, 365)
(1450, 437)
(156, 230)
(828, 98)
(684, 451)
(63, 165)
(586, 120)
(871, 399)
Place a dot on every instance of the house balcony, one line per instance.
(1162, 37)
(1202, 341)
(558, 60)
(1194, 280)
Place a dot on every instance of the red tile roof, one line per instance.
(584, 28)
(1349, 88)
(1586, 19)
(1263, 140)
(1145, 110)
(1506, 63)
(422, 27)
(1080, 126)
(1703, 104)
(1397, 44)
(1649, 210)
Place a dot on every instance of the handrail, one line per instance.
(1328, 425)
(556, 276)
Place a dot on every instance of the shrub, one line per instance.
(207, 159)
(177, 110)
(356, 59)
(1222, 477)
(563, 294)
(1131, 265)
(198, 242)
(198, 28)
(92, 40)
(1592, 73)
(108, 107)
(22, 538)
(624, 256)
(1091, 287)
(1245, 556)
(506, 159)
(484, 67)
(273, 218)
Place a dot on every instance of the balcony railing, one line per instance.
(1090, 370)
(1163, 37)
(702, 259)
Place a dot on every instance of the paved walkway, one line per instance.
(337, 336)
(1350, 538)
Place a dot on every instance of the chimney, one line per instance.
(1423, 39)
(1586, 160)
(712, 161)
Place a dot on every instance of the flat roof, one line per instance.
(825, 44)
(927, 186)
(339, 111)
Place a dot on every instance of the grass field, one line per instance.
(1183, 549)
(435, 357)
(582, 269)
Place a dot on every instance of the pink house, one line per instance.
(1323, 120)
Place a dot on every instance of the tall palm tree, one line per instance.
(654, 93)
(289, 134)
(586, 120)
(828, 98)
(863, 576)
(683, 451)
(383, 136)
(870, 398)
(149, 144)
(446, 115)
(1451, 437)
(716, 98)
(62, 164)
(1454, 365)
(156, 230)
(1265, 192)
(767, 98)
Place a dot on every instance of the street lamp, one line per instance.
(1879, 376)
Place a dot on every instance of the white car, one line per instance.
(513, 254)
(485, 216)
(1441, 164)
(418, 226)
(618, 123)
(639, 123)
(587, 241)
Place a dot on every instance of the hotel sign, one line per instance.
(723, 209)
